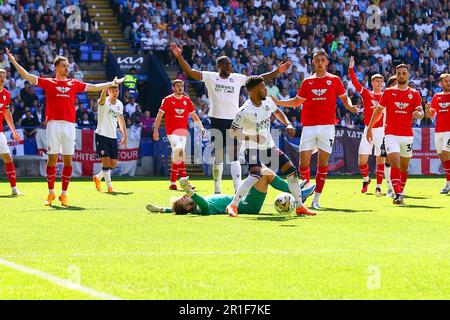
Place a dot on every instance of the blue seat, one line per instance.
(85, 51)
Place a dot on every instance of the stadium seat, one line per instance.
(85, 51)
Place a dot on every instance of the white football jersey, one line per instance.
(255, 120)
(223, 94)
(107, 118)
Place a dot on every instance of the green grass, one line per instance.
(116, 247)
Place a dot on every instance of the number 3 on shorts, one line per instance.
(409, 147)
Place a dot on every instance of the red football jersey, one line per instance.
(369, 98)
(60, 97)
(441, 106)
(5, 101)
(320, 94)
(400, 105)
(177, 112)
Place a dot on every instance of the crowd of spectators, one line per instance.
(257, 34)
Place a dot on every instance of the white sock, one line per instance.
(64, 193)
(365, 179)
(316, 197)
(217, 176)
(107, 175)
(294, 188)
(100, 175)
(244, 188)
(448, 184)
(236, 174)
(387, 176)
(14, 189)
(51, 191)
(378, 185)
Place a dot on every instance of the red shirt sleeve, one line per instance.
(384, 99)
(340, 90)
(163, 105)
(80, 86)
(355, 81)
(417, 100)
(302, 92)
(43, 83)
(8, 100)
(191, 107)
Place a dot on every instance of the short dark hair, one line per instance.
(178, 208)
(402, 65)
(320, 53)
(58, 59)
(253, 81)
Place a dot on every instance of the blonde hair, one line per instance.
(3, 71)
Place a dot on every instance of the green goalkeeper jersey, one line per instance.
(217, 203)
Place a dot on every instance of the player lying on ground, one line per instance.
(223, 89)
(440, 108)
(5, 113)
(194, 203)
(110, 112)
(176, 108)
(370, 100)
(318, 94)
(252, 126)
(60, 113)
(402, 105)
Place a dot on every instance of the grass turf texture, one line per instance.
(360, 247)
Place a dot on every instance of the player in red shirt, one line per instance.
(440, 108)
(318, 95)
(60, 95)
(370, 100)
(5, 113)
(176, 108)
(402, 105)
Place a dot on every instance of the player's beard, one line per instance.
(402, 82)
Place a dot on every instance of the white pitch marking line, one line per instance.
(58, 281)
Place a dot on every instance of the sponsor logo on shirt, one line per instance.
(220, 88)
(444, 106)
(319, 92)
(401, 105)
(179, 111)
(63, 91)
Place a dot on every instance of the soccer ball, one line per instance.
(284, 203)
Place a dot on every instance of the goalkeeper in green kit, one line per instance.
(194, 203)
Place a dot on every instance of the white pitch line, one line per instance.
(58, 281)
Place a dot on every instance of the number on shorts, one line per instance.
(409, 147)
(448, 142)
(331, 143)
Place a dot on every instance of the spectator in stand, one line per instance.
(130, 107)
(84, 122)
(147, 123)
(29, 123)
(77, 73)
(39, 114)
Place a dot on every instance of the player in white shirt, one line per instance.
(252, 126)
(110, 112)
(223, 89)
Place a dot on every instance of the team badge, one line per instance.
(410, 96)
(231, 80)
(4, 97)
(401, 105)
(329, 82)
(319, 92)
(444, 105)
(184, 102)
(267, 108)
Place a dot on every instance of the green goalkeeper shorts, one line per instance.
(252, 203)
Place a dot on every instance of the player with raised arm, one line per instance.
(440, 108)
(252, 126)
(370, 100)
(402, 104)
(176, 108)
(5, 113)
(60, 112)
(318, 95)
(110, 113)
(194, 203)
(223, 89)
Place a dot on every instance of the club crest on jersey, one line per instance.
(179, 111)
(410, 96)
(231, 80)
(4, 97)
(319, 92)
(401, 105)
(329, 82)
(63, 89)
(184, 102)
(267, 108)
(444, 105)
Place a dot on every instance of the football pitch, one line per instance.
(109, 246)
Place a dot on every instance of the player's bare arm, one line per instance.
(123, 129)
(418, 113)
(198, 122)
(348, 103)
(282, 68)
(103, 86)
(102, 100)
(191, 73)
(376, 116)
(352, 74)
(240, 135)
(158, 120)
(282, 117)
(289, 103)
(31, 78)
(12, 127)
(430, 111)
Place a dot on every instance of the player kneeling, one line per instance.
(194, 203)
(110, 112)
(252, 126)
